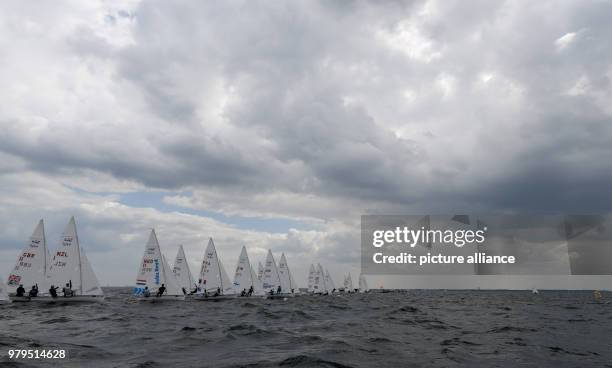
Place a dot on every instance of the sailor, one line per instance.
(184, 291)
(292, 290)
(20, 290)
(146, 293)
(243, 292)
(250, 292)
(278, 290)
(67, 291)
(53, 291)
(34, 291)
(271, 291)
(218, 292)
(161, 290)
(195, 290)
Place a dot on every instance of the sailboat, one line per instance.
(260, 270)
(154, 272)
(71, 267)
(271, 278)
(182, 272)
(245, 279)
(363, 284)
(329, 282)
(286, 279)
(31, 266)
(348, 284)
(311, 277)
(214, 283)
(4, 298)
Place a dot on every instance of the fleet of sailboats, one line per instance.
(70, 273)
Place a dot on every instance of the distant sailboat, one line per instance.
(329, 282)
(154, 272)
(363, 284)
(271, 276)
(245, 278)
(348, 284)
(214, 283)
(3, 293)
(311, 278)
(286, 279)
(260, 271)
(31, 266)
(182, 272)
(71, 266)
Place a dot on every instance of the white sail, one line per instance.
(70, 266)
(181, 270)
(348, 283)
(212, 273)
(271, 278)
(363, 284)
(286, 279)
(318, 283)
(260, 271)
(294, 286)
(257, 284)
(3, 293)
(329, 282)
(154, 271)
(323, 283)
(311, 278)
(32, 264)
(244, 277)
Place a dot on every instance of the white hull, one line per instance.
(280, 296)
(209, 298)
(59, 299)
(161, 299)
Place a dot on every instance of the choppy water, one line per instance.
(407, 329)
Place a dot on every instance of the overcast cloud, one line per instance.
(277, 124)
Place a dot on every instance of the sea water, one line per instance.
(403, 329)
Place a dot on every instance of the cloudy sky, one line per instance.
(277, 124)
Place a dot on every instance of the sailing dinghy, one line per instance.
(271, 279)
(348, 284)
(246, 283)
(71, 267)
(363, 284)
(154, 272)
(182, 272)
(31, 267)
(214, 283)
(329, 282)
(286, 279)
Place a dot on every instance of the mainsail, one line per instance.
(286, 279)
(260, 270)
(212, 273)
(329, 282)
(70, 265)
(182, 272)
(154, 270)
(32, 264)
(363, 285)
(348, 283)
(271, 278)
(311, 277)
(244, 277)
(323, 287)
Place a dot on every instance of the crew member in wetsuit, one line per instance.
(146, 293)
(53, 291)
(243, 292)
(250, 292)
(161, 290)
(278, 291)
(218, 292)
(184, 291)
(20, 290)
(34, 291)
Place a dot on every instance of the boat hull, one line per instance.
(202, 298)
(161, 299)
(59, 299)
